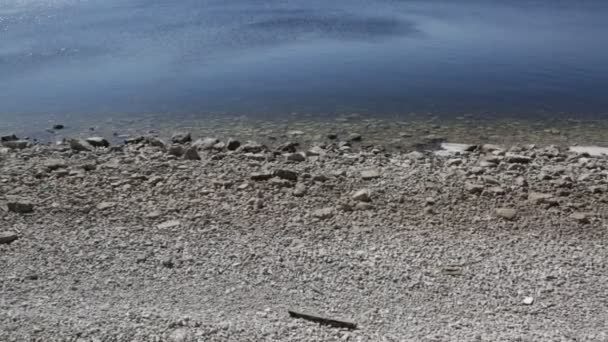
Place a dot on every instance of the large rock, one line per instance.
(363, 195)
(8, 237)
(232, 145)
(540, 198)
(205, 144)
(10, 137)
(296, 157)
(261, 176)
(473, 188)
(156, 142)
(300, 190)
(252, 147)
(181, 138)
(135, 140)
(192, 154)
(20, 205)
(105, 205)
(595, 151)
(316, 151)
(16, 144)
(80, 145)
(54, 164)
(457, 148)
(323, 213)
(289, 147)
(508, 214)
(517, 158)
(98, 142)
(370, 174)
(580, 217)
(286, 174)
(176, 150)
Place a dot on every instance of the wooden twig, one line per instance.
(323, 320)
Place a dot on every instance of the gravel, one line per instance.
(142, 245)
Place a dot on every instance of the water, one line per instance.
(542, 58)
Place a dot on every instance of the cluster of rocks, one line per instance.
(211, 239)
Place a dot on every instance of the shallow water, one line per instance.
(534, 59)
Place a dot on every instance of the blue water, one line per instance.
(542, 58)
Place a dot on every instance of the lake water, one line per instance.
(542, 58)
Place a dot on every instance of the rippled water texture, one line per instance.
(384, 57)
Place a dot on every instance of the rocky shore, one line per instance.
(188, 239)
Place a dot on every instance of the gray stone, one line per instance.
(20, 205)
(232, 145)
(496, 190)
(506, 213)
(580, 217)
(8, 237)
(488, 148)
(10, 137)
(205, 144)
(595, 151)
(517, 158)
(176, 150)
(415, 155)
(135, 140)
(252, 147)
(54, 164)
(80, 145)
(363, 195)
(256, 156)
(370, 174)
(453, 162)
(354, 137)
(192, 154)
(286, 174)
(261, 176)
(279, 182)
(16, 144)
(300, 190)
(320, 178)
(457, 148)
(296, 157)
(289, 146)
(324, 213)
(539, 198)
(315, 151)
(362, 206)
(180, 335)
(181, 138)
(98, 142)
(156, 142)
(105, 205)
(473, 188)
(168, 224)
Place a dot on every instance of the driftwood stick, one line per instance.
(322, 320)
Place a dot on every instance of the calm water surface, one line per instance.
(385, 57)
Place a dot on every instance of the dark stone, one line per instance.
(232, 144)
